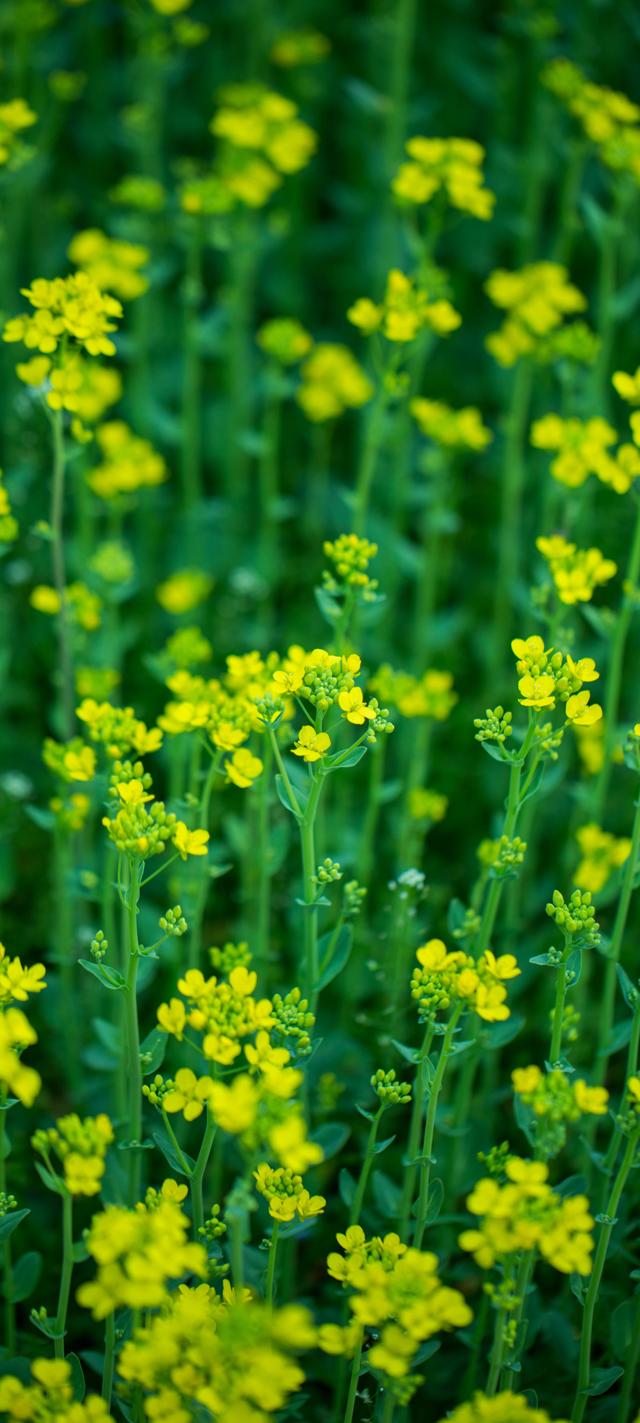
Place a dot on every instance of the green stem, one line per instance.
(197, 1177)
(512, 486)
(616, 667)
(132, 1031)
(630, 1368)
(265, 858)
(558, 1013)
(191, 451)
(65, 1276)
(497, 1352)
(429, 1127)
(271, 1266)
(7, 1284)
(607, 1005)
(109, 1358)
(388, 1408)
(237, 1224)
(606, 1231)
(308, 852)
(365, 1169)
(415, 1128)
(204, 818)
(633, 1052)
(369, 458)
(372, 810)
(65, 664)
(523, 1280)
(353, 1383)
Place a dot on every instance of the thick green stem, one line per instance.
(7, 1265)
(271, 1266)
(613, 684)
(415, 1128)
(109, 1358)
(353, 1384)
(132, 1033)
(365, 1169)
(558, 1013)
(606, 1231)
(309, 866)
(65, 664)
(429, 1128)
(191, 451)
(607, 1005)
(65, 1276)
(497, 1352)
(197, 1178)
(512, 486)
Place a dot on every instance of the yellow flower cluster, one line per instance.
(83, 606)
(427, 805)
(285, 340)
(263, 140)
(81, 1147)
(448, 166)
(332, 381)
(117, 728)
(553, 1094)
(583, 448)
(66, 307)
(8, 524)
(453, 429)
(405, 310)
(446, 979)
(430, 695)
(395, 1291)
(128, 462)
(71, 760)
(502, 1408)
(609, 119)
(50, 1395)
(83, 387)
(351, 557)
(138, 1253)
(16, 1034)
(525, 1213)
(547, 678)
(601, 854)
(225, 1012)
(15, 117)
(140, 831)
(17, 980)
(230, 1358)
(184, 590)
(537, 299)
(286, 1193)
(115, 266)
(576, 572)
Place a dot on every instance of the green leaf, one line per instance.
(153, 1048)
(340, 955)
(330, 609)
(26, 1273)
(497, 1035)
(436, 1198)
(332, 1137)
(347, 1187)
(77, 1377)
(619, 1039)
(602, 1380)
(381, 1146)
(410, 1054)
(350, 758)
(283, 797)
(628, 989)
(10, 1221)
(51, 1182)
(165, 1145)
(386, 1194)
(108, 977)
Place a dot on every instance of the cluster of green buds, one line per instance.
(494, 726)
(140, 832)
(354, 896)
(328, 872)
(629, 1118)
(504, 1297)
(173, 923)
(99, 947)
(570, 1023)
(125, 771)
(576, 917)
(156, 1090)
(495, 1160)
(213, 1227)
(7, 1203)
(230, 956)
(350, 557)
(293, 1020)
(388, 1089)
(468, 926)
(269, 709)
(548, 740)
(509, 856)
(322, 684)
(632, 748)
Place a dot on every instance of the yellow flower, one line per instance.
(243, 768)
(311, 745)
(234, 1107)
(354, 707)
(579, 712)
(189, 842)
(188, 1094)
(537, 692)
